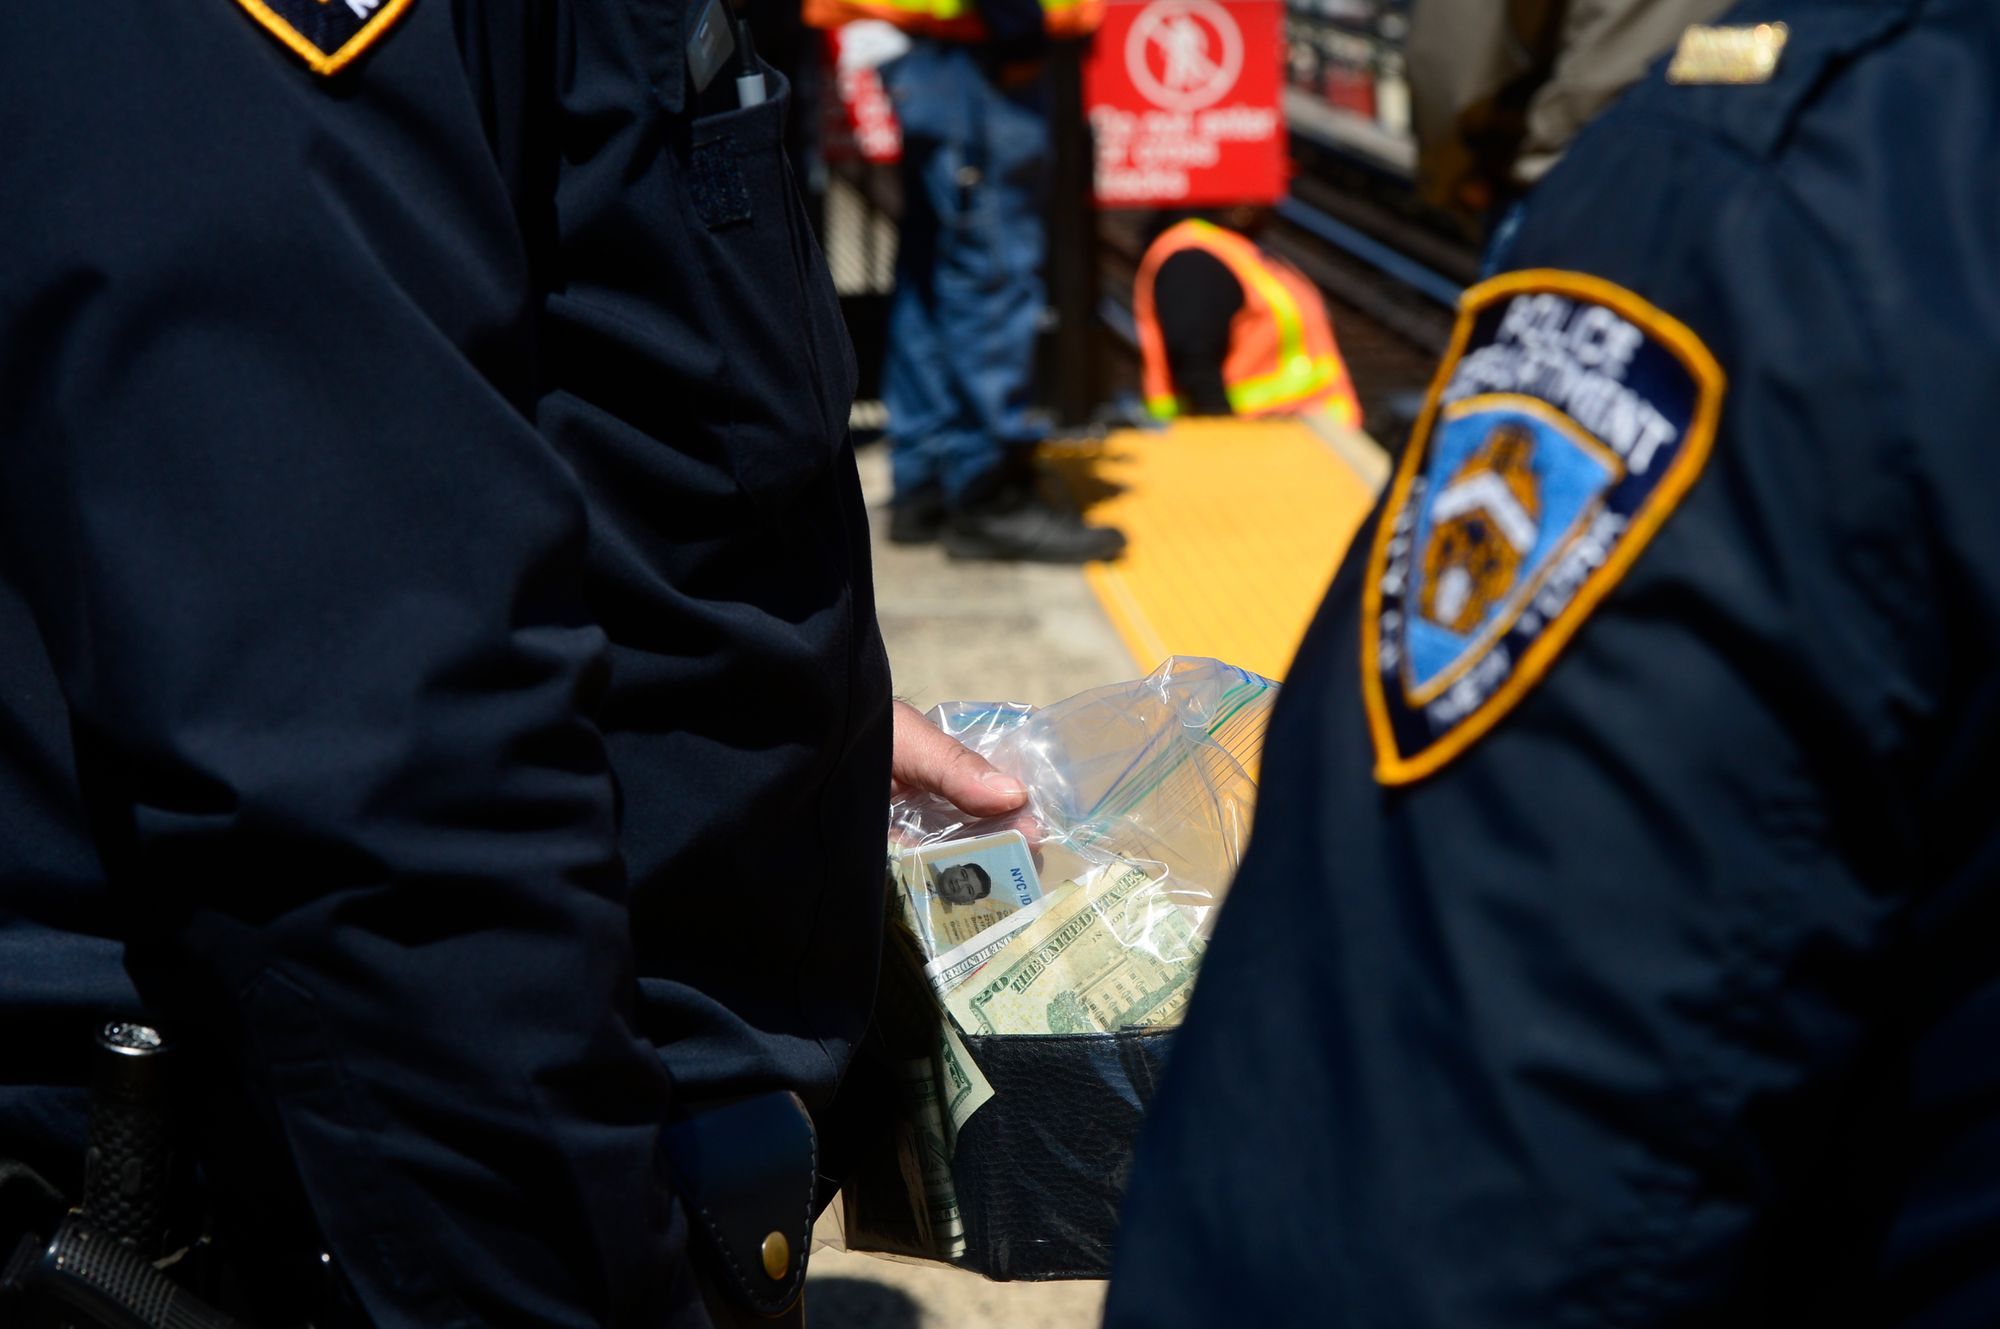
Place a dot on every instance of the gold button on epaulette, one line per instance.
(1728, 55)
(777, 1256)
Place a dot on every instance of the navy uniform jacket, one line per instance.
(1671, 997)
(389, 459)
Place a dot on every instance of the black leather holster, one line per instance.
(747, 1172)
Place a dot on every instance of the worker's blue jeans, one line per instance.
(958, 375)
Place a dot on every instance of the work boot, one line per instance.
(917, 518)
(1021, 525)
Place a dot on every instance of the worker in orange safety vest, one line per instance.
(1227, 328)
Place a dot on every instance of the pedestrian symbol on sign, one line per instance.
(1184, 54)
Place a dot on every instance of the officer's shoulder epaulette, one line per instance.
(1747, 81)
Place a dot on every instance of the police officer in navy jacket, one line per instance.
(1616, 942)
(439, 676)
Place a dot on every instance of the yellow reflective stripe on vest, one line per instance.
(945, 11)
(948, 11)
(1302, 377)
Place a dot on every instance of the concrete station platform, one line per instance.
(1235, 528)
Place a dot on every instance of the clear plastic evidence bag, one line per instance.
(1035, 965)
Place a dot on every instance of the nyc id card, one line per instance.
(955, 889)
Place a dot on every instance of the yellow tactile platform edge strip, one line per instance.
(1234, 528)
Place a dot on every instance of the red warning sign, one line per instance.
(1183, 100)
(857, 121)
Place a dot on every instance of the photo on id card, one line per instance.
(958, 888)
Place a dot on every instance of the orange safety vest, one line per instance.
(1282, 357)
(952, 20)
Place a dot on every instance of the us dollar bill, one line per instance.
(909, 1023)
(947, 971)
(1116, 955)
(903, 1198)
(924, 1147)
(963, 1089)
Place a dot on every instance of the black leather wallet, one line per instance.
(1041, 1169)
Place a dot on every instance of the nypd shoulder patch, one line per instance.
(327, 34)
(1567, 421)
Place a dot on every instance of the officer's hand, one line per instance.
(925, 759)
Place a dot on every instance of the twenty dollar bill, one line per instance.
(1120, 955)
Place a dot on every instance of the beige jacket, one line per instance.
(1500, 87)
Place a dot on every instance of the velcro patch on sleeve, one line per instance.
(1569, 418)
(327, 34)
